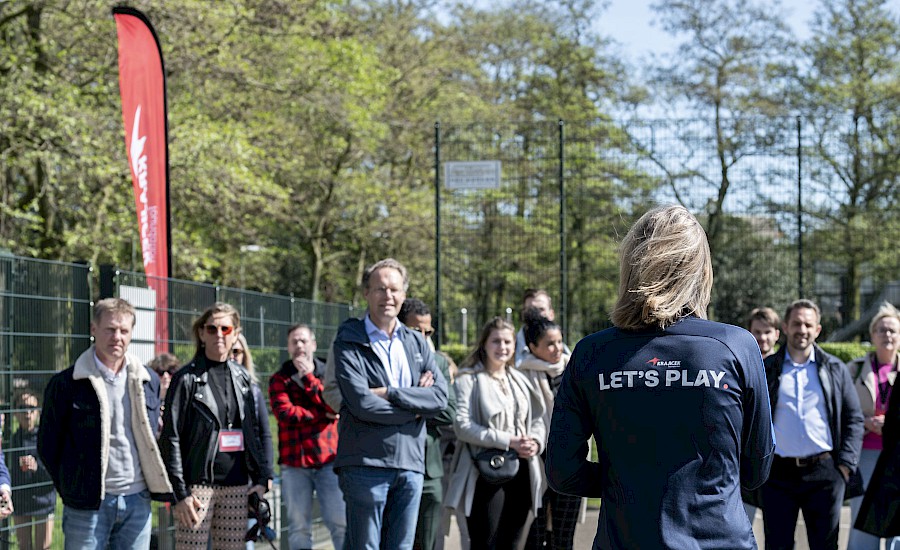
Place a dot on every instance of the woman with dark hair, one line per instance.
(544, 364)
(211, 441)
(497, 409)
(35, 502)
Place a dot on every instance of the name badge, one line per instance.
(231, 441)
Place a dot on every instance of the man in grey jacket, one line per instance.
(388, 385)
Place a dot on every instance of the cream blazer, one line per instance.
(478, 411)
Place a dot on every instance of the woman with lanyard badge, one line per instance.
(211, 442)
(874, 375)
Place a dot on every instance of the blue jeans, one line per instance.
(121, 522)
(297, 486)
(382, 507)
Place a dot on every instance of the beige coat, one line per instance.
(863, 376)
(477, 416)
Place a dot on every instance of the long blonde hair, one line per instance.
(666, 270)
(247, 363)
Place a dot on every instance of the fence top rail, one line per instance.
(8, 256)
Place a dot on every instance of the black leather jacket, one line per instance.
(189, 439)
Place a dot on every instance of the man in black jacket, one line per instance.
(97, 438)
(818, 434)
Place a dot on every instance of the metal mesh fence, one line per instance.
(45, 315)
(792, 208)
(45, 324)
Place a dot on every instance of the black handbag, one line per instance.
(497, 466)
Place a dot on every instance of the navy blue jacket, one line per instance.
(681, 418)
(373, 431)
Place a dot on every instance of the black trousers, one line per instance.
(816, 488)
(499, 512)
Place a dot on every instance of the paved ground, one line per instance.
(584, 534)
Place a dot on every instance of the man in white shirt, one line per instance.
(818, 433)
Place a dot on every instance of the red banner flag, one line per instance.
(143, 89)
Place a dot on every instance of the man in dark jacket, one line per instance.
(818, 429)
(97, 438)
(388, 386)
(416, 315)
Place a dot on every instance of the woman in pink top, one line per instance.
(874, 376)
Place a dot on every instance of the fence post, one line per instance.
(563, 257)
(800, 293)
(438, 310)
(107, 281)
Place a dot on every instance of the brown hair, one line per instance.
(666, 270)
(218, 307)
(478, 355)
(802, 304)
(764, 315)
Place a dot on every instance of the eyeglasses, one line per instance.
(214, 329)
(237, 351)
(428, 332)
(161, 372)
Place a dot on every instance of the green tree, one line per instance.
(849, 90)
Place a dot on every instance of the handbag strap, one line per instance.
(512, 393)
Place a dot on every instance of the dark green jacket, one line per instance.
(434, 465)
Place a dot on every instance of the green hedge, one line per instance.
(457, 352)
(846, 351)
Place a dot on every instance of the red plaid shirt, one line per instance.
(307, 438)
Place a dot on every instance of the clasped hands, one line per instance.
(525, 446)
(187, 511)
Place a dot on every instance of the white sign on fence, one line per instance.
(143, 339)
(482, 174)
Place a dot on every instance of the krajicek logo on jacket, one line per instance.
(662, 372)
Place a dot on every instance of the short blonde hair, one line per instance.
(113, 306)
(886, 310)
(387, 263)
(666, 270)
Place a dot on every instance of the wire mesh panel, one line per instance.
(498, 242)
(792, 208)
(45, 313)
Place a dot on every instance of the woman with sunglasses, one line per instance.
(211, 442)
(164, 365)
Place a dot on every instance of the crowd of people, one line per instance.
(696, 424)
